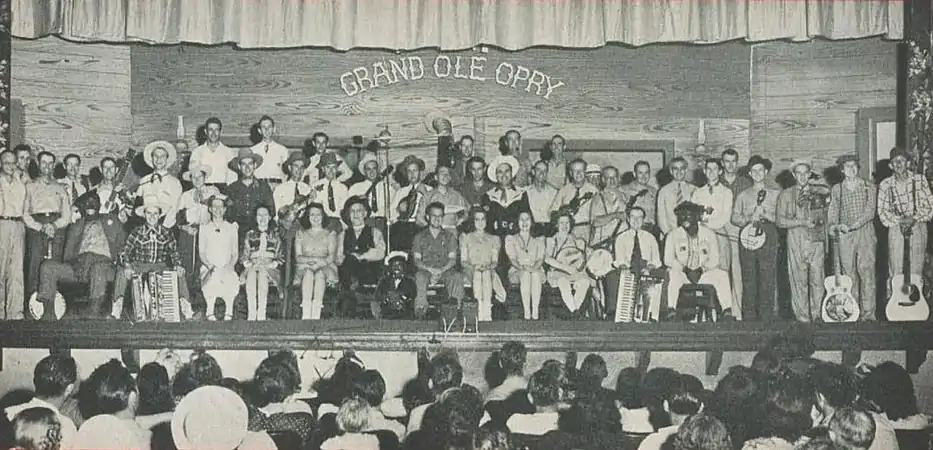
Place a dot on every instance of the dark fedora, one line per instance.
(756, 159)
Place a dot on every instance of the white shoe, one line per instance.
(116, 310)
(186, 311)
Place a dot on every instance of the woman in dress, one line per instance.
(315, 261)
(479, 255)
(572, 282)
(526, 254)
(261, 256)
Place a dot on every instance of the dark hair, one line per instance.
(677, 160)
(71, 155)
(702, 432)
(46, 153)
(370, 386)
(211, 120)
(202, 370)
(432, 206)
(466, 136)
(658, 385)
(447, 372)
(512, 357)
(53, 374)
(266, 117)
(837, 384)
(685, 398)
(105, 159)
(715, 161)
(729, 151)
(469, 225)
(320, 134)
(22, 148)
(641, 163)
(155, 390)
(440, 166)
(273, 382)
(491, 436)
(734, 400)
(544, 389)
(475, 159)
(305, 219)
(593, 369)
(628, 388)
(890, 388)
(785, 412)
(106, 391)
(637, 208)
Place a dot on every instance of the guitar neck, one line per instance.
(907, 258)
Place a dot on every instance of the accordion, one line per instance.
(155, 297)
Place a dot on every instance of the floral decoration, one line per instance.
(920, 113)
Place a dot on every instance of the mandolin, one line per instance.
(839, 304)
(120, 181)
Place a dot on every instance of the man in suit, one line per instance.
(91, 246)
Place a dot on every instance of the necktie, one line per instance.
(680, 194)
(636, 253)
(331, 204)
(267, 150)
(373, 204)
(296, 194)
(711, 189)
(74, 191)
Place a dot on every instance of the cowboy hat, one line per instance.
(370, 158)
(328, 159)
(688, 208)
(165, 145)
(500, 160)
(756, 159)
(210, 417)
(391, 257)
(244, 153)
(292, 157)
(206, 170)
(899, 151)
(593, 168)
(345, 214)
(141, 210)
(800, 162)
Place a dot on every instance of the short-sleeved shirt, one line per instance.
(435, 251)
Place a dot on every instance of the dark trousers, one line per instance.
(364, 272)
(402, 235)
(759, 276)
(53, 272)
(37, 249)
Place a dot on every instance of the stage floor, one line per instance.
(336, 334)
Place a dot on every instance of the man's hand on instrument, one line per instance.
(908, 222)
(128, 271)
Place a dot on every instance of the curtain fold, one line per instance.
(453, 24)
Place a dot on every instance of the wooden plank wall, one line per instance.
(76, 97)
(654, 92)
(804, 96)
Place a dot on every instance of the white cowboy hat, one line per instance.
(368, 158)
(593, 168)
(800, 162)
(141, 210)
(210, 417)
(510, 160)
(206, 170)
(394, 255)
(165, 145)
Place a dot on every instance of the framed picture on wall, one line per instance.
(622, 154)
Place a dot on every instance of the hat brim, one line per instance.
(141, 210)
(395, 254)
(370, 159)
(206, 170)
(800, 162)
(219, 398)
(508, 160)
(345, 214)
(169, 148)
(235, 162)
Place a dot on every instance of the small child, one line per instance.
(37, 429)
(396, 291)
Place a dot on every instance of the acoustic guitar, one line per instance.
(906, 302)
(839, 304)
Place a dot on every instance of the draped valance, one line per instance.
(453, 24)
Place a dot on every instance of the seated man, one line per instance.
(150, 247)
(692, 254)
(435, 255)
(636, 251)
(91, 246)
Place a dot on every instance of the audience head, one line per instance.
(593, 369)
(55, 376)
(353, 415)
(685, 400)
(657, 386)
(202, 370)
(834, 385)
(37, 429)
(457, 415)
(110, 389)
(590, 413)
(544, 389)
(702, 432)
(628, 388)
(155, 390)
(785, 412)
(852, 429)
(274, 381)
(889, 387)
(490, 437)
(512, 358)
(447, 372)
(370, 386)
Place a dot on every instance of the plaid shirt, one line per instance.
(896, 200)
(148, 245)
(857, 205)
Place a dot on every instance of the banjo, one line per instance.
(752, 236)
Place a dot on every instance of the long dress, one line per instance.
(268, 246)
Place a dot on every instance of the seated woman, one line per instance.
(479, 255)
(572, 281)
(315, 261)
(526, 254)
(218, 251)
(261, 256)
(364, 247)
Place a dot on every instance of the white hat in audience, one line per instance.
(500, 160)
(206, 170)
(369, 158)
(210, 417)
(594, 169)
(164, 145)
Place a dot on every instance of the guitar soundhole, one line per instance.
(912, 293)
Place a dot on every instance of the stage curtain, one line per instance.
(453, 24)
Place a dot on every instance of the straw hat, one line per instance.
(369, 158)
(165, 145)
(509, 160)
(593, 168)
(206, 170)
(800, 162)
(210, 417)
(141, 210)
(244, 153)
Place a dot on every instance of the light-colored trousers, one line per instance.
(12, 292)
(717, 278)
(223, 283)
(805, 260)
(857, 254)
(729, 260)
